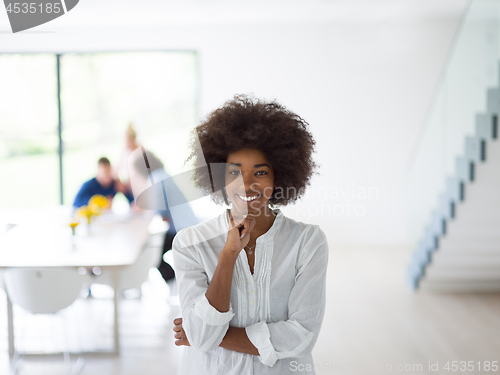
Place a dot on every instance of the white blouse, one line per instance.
(281, 305)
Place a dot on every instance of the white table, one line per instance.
(114, 241)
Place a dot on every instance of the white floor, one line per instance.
(147, 345)
(373, 323)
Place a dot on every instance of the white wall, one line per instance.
(362, 79)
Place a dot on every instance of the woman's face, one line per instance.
(131, 143)
(249, 181)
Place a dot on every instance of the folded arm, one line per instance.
(203, 324)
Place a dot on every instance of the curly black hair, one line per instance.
(246, 122)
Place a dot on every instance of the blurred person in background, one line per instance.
(103, 184)
(120, 170)
(150, 179)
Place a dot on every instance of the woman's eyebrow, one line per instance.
(255, 166)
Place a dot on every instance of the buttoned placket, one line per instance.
(261, 245)
(250, 281)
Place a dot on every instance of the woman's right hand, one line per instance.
(180, 335)
(236, 241)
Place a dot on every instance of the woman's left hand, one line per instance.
(180, 335)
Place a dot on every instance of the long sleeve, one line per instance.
(204, 325)
(296, 336)
(83, 195)
(130, 197)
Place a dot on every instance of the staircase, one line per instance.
(460, 247)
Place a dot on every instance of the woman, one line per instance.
(131, 144)
(251, 281)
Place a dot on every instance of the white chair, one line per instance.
(134, 275)
(44, 291)
(4, 229)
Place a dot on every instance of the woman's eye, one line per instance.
(261, 173)
(234, 173)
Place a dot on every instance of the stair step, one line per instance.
(485, 126)
(493, 100)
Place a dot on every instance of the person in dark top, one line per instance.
(102, 184)
(180, 212)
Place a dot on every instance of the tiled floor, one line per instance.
(373, 323)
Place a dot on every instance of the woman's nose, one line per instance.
(249, 183)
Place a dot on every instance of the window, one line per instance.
(29, 166)
(100, 94)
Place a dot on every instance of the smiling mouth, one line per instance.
(248, 198)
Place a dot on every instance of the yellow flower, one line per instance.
(73, 224)
(84, 211)
(100, 200)
(94, 209)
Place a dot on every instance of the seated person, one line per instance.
(184, 215)
(102, 184)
